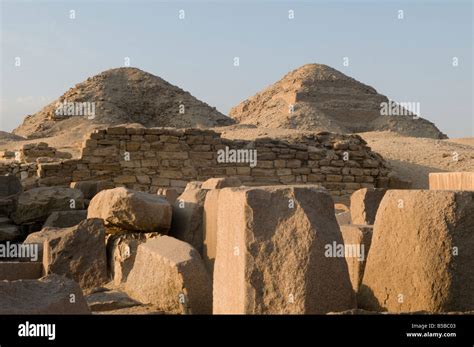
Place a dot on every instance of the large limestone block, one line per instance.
(65, 219)
(451, 180)
(364, 205)
(35, 205)
(170, 274)
(357, 239)
(271, 244)
(187, 223)
(421, 253)
(77, 252)
(121, 252)
(131, 210)
(52, 294)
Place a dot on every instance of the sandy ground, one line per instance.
(414, 158)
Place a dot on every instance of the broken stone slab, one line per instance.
(364, 205)
(65, 219)
(35, 205)
(221, 182)
(121, 252)
(20, 270)
(421, 253)
(188, 217)
(357, 239)
(109, 300)
(52, 294)
(271, 252)
(451, 180)
(77, 252)
(131, 210)
(170, 274)
(91, 188)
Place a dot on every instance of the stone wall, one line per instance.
(24, 171)
(149, 158)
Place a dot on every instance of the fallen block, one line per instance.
(421, 258)
(77, 252)
(131, 210)
(35, 205)
(170, 274)
(121, 252)
(52, 294)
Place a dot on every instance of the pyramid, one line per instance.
(122, 95)
(318, 97)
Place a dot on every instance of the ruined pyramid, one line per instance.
(318, 97)
(117, 96)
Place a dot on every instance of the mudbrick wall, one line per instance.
(148, 158)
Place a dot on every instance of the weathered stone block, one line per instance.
(262, 238)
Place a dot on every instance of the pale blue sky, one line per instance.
(407, 60)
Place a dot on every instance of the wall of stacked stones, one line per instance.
(146, 159)
(20, 170)
(149, 158)
(35, 174)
